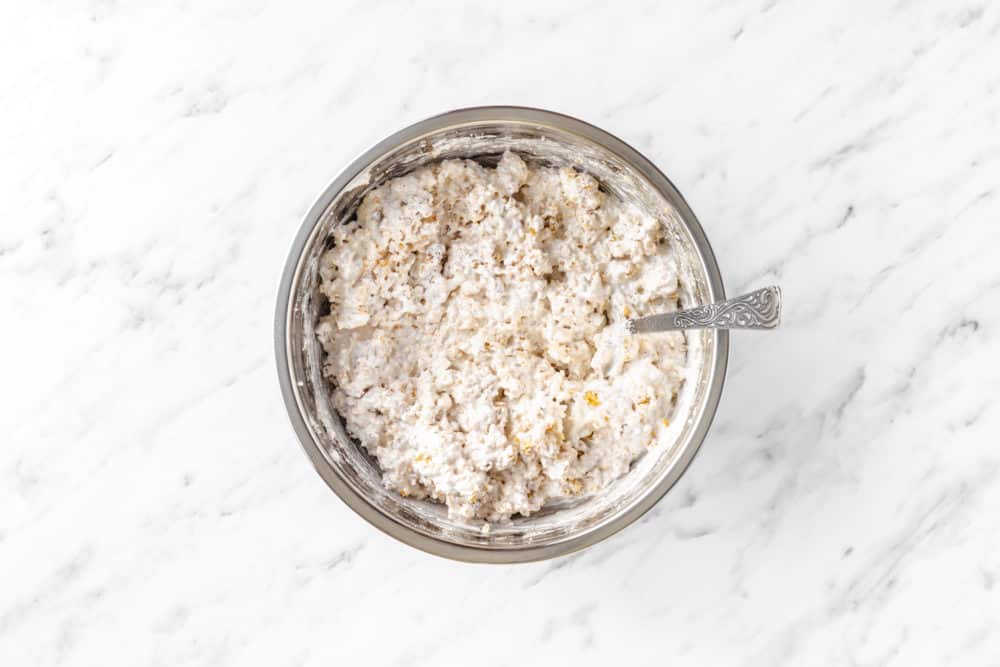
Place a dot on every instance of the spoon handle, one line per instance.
(760, 309)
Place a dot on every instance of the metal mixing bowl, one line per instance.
(483, 134)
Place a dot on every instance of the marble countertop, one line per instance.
(155, 507)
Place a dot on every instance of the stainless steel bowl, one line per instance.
(483, 134)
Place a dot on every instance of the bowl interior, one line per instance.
(355, 475)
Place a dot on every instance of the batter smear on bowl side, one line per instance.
(476, 339)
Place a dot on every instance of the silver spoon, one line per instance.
(760, 309)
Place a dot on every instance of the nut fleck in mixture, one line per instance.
(476, 338)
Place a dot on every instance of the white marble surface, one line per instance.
(155, 508)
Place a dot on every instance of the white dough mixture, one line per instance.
(476, 334)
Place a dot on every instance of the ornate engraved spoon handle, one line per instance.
(760, 309)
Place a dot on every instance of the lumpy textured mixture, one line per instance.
(476, 338)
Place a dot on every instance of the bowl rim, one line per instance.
(292, 273)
